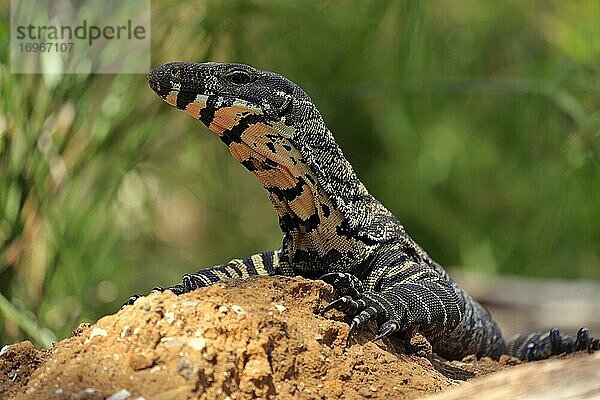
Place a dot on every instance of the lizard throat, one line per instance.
(306, 213)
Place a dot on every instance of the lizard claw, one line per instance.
(353, 329)
(344, 283)
(555, 341)
(337, 304)
(330, 277)
(584, 341)
(531, 350)
(386, 329)
(345, 304)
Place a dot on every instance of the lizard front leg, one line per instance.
(399, 297)
(265, 264)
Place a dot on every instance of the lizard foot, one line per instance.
(344, 283)
(545, 345)
(189, 282)
(131, 300)
(136, 296)
(369, 306)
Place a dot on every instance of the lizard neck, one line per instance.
(328, 217)
(325, 212)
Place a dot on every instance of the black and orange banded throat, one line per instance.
(274, 130)
(333, 228)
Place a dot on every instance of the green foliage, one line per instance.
(477, 124)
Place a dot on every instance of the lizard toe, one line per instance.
(370, 313)
(531, 352)
(386, 329)
(361, 319)
(131, 300)
(345, 304)
(555, 341)
(584, 340)
(344, 283)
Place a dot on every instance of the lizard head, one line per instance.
(192, 87)
(255, 113)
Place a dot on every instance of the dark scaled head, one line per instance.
(198, 87)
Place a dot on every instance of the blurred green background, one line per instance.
(476, 122)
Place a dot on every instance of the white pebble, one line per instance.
(197, 343)
(98, 332)
(237, 309)
(170, 317)
(122, 394)
(126, 331)
(155, 369)
(170, 341)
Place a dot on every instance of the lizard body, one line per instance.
(334, 229)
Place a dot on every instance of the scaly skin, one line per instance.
(333, 228)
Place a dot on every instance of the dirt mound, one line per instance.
(259, 338)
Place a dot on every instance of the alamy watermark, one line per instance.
(80, 36)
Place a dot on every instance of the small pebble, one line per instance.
(237, 309)
(143, 303)
(122, 394)
(185, 369)
(155, 369)
(170, 317)
(141, 361)
(6, 348)
(126, 331)
(281, 308)
(190, 303)
(169, 342)
(197, 343)
(84, 394)
(223, 309)
(98, 332)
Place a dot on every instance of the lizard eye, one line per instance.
(239, 77)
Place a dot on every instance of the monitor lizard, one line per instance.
(333, 228)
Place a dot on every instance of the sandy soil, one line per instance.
(262, 338)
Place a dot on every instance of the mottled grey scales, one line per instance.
(333, 228)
